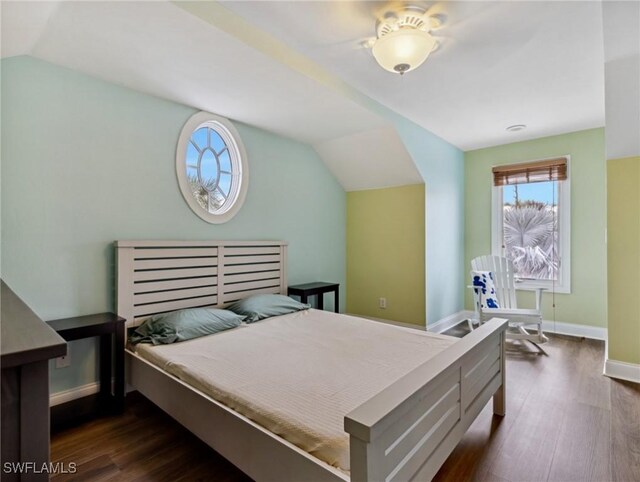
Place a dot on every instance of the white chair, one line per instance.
(504, 281)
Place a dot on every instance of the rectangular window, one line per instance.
(531, 222)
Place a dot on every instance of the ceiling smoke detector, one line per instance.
(403, 40)
(516, 127)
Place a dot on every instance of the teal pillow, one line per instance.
(259, 307)
(184, 325)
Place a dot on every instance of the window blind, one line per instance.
(537, 171)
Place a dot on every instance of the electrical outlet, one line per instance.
(382, 303)
(63, 361)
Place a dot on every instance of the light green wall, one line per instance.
(623, 243)
(386, 253)
(587, 303)
(85, 162)
(441, 165)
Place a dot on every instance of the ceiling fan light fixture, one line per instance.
(403, 50)
(403, 41)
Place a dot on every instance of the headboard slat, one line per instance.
(154, 308)
(169, 274)
(177, 294)
(231, 278)
(174, 284)
(251, 285)
(145, 253)
(231, 260)
(166, 263)
(232, 297)
(251, 268)
(237, 251)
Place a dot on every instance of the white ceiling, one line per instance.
(539, 63)
(371, 159)
(22, 25)
(158, 48)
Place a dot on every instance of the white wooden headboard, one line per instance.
(159, 276)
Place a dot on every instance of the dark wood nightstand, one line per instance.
(318, 288)
(110, 328)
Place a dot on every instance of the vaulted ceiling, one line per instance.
(298, 68)
(539, 63)
(160, 49)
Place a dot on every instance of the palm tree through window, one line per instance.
(530, 229)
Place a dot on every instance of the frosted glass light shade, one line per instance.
(403, 50)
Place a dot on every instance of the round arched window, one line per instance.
(211, 167)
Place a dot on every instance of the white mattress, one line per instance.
(298, 375)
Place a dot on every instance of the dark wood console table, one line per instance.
(26, 346)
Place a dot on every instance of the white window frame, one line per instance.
(563, 283)
(237, 152)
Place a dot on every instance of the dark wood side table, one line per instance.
(318, 288)
(110, 328)
(26, 346)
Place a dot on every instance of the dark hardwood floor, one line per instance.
(565, 422)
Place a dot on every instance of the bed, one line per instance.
(400, 404)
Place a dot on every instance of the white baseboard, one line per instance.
(79, 392)
(586, 331)
(622, 370)
(450, 321)
(73, 393)
(558, 327)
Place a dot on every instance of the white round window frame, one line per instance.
(237, 154)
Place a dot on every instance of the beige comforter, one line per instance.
(298, 375)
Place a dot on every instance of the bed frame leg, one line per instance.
(499, 402)
(499, 398)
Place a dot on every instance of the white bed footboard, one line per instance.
(408, 430)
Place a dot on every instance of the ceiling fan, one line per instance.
(404, 37)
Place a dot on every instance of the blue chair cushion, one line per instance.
(484, 286)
